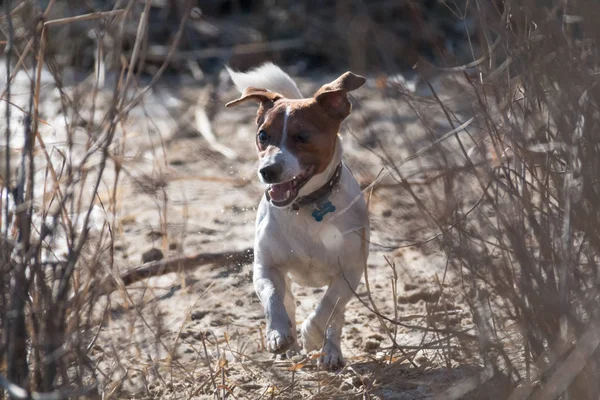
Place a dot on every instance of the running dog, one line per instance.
(312, 226)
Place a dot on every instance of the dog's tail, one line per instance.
(267, 76)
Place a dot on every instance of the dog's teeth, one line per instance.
(287, 194)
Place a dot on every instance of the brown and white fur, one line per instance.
(299, 149)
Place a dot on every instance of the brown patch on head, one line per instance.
(307, 128)
(272, 124)
(311, 133)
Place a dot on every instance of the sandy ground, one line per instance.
(199, 333)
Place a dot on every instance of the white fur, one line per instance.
(286, 117)
(291, 246)
(291, 166)
(267, 76)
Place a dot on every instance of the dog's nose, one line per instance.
(270, 173)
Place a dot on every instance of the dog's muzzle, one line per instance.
(284, 193)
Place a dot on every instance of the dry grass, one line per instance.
(518, 222)
(506, 187)
(53, 253)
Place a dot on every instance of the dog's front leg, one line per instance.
(270, 285)
(323, 328)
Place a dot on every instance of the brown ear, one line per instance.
(256, 94)
(266, 99)
(334, 95)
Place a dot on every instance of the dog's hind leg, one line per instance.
(271, 286)
(323, 328)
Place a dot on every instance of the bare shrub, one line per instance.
(518, 221)
(57, 243)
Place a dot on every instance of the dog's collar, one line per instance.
(318, 195)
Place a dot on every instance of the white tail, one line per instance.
(268, 76)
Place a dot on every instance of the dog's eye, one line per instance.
(302, 137)
(263, 137)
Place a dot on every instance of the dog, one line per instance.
(312, 224)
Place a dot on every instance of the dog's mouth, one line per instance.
(284, 193)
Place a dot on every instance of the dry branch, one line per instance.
(163, 267)
(159, 53)
(567, 371)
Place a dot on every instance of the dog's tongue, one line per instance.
(279, 192)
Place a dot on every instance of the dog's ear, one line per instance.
(333, 97)
(263, 96)
(256, 94)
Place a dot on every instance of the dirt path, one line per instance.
(193, 333)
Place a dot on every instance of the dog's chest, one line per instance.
(309, 257)
(296, 242)
(314, 250)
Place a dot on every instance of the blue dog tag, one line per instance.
(320, 212)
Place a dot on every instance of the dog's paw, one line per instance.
(331, 357)
(290, 354)
(293, 351)
(279, 340)
(312, 337)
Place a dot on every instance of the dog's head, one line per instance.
(296, 138)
